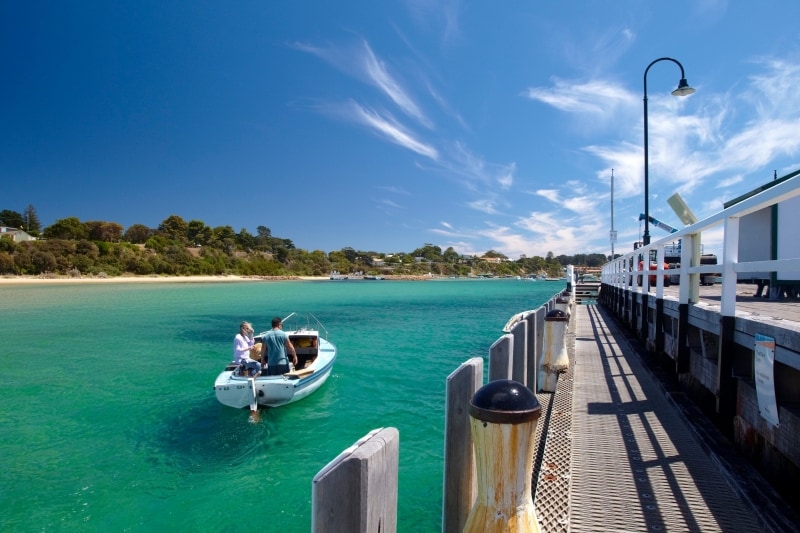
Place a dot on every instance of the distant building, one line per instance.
(17, 235)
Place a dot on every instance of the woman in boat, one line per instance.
(242, 344)
(276, 347)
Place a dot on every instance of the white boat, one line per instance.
(336, 276)
(315, 358)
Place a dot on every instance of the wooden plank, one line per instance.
(460, 485)
(500, 357)
(357, 491)
(519, 362)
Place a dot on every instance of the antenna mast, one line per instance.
(612, 234)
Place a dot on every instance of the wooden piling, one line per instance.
(357, 491)
(459, 465)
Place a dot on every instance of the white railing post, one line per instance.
(730, 257)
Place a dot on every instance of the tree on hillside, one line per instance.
(12, 219)
(175, 228)
(245, 239)
(104, 231)
(69, 228)
(32, 224)
(137, 234)
(198, 233)
(492, 253)
(450, 256)
(430, 252)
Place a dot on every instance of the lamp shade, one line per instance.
(683, 88)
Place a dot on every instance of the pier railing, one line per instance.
(628, 270)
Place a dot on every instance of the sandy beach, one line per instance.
(26, 280)
(30, 280)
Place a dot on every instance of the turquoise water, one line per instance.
(109, 420)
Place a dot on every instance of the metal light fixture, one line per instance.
(682, 90)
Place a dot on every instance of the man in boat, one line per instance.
(242, 344)
(276, 347)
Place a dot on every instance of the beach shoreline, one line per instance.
(52, 280)
(29, 280)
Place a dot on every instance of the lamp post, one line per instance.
(682, 90)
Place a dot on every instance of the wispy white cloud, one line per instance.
(597, 98)
(390, 203)
(362, 63)
(387, 127)
(483, 205)
(377, 74)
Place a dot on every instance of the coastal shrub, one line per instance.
(7, 244)
(87, 248)
(22, 259)
(81, 263)
(74, 273)
(104, 248)
(140, 266)
(42, 262)
(7, 265)
(105, 269)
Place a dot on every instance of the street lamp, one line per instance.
(682, 90)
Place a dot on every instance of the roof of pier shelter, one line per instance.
(762, 188)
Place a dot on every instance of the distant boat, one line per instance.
(335, 276)
(373, 277)
(315, 358)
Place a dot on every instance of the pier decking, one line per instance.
(620, 451)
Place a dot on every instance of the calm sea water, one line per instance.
(109, 420)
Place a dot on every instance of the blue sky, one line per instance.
(386, 125)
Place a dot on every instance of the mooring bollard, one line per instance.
(503, 418)
(554, 350)
(563, 304)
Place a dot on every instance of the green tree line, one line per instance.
(180, 248)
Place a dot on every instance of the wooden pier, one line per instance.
(620, 445)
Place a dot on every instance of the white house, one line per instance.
(17, 235)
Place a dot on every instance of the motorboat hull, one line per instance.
(234, 389)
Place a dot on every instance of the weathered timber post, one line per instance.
(519, 360)
(555, 358)
(503, 418)
(501, 354)
(357, 491)
(459, 465)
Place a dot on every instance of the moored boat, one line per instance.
(315, 358)
(336, 276)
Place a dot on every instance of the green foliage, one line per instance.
(11, 219)
(32, 224)
(103, 248)
(67, 228)
(174, 228)
(7, 265)
(7, 244)
(137, 234)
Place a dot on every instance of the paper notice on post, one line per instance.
(765, 378)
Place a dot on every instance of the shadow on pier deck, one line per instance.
(618, 451)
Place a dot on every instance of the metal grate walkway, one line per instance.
(617, 455)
